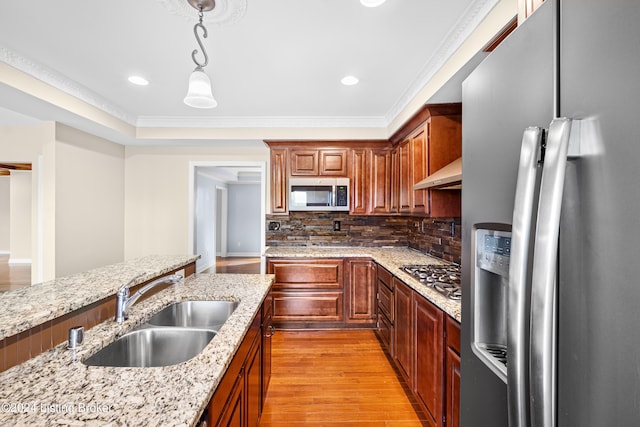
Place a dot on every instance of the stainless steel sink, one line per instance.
(151, 347)
(195, 314)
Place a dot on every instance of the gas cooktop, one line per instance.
(443, 278)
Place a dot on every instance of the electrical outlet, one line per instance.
(274, 225)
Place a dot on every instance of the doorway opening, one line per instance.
(15, 225)
(227, 216)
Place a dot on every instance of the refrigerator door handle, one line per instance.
(542, 372)
(523, 217)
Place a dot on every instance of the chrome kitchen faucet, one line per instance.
(123, 302)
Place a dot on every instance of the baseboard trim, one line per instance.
(243, 254)
(19, 260)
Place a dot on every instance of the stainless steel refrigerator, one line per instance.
(551, 272)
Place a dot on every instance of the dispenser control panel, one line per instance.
(493, 251)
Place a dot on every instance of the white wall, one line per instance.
(89, 201)
(157, 193)
(205, 232)
(20, 217)
(244, 230)
(77, 197)
(4, 214)
(26, 144)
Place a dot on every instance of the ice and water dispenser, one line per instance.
(489, 293)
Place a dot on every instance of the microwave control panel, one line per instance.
(342, 195)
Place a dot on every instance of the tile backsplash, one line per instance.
(434, 236)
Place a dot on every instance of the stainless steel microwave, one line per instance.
(319, 194)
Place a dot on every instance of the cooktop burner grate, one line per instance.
(443, 278)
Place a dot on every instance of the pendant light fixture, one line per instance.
(199, 93)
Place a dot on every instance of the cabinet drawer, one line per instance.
(307, 306)
(385, 277)
(452, 329)
(385, 301)
(306, 274)
(385, 332)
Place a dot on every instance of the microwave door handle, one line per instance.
(544, 278)
(523, 218)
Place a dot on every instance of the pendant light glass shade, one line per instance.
(199, 94)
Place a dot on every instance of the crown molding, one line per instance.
(62, 83)
(268, 122)
(469, 21)
(230, 11)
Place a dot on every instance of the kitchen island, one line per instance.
(57, 388)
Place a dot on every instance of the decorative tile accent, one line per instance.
(308, 229)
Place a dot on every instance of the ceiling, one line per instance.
(273, 63)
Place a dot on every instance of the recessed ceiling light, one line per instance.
(349, 80)
(372, 3)
(137, 80)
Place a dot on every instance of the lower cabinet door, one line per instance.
(453, 388)
(403, 330)
(253, 382)
(429, 342)
(233, 414)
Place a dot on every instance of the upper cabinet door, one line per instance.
(304, 162)
(333, 162)
(279, 181)
(418, 152)
(319, 162)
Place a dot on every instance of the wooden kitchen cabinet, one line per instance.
(405, 186)
(419, 170)
(253, 382)
(279, 190)
(319, 162)
(360, 291)
(424, 344)
(380, 182)
(323, 293)
(452, 373)
(403, 329)
(267, 343)
(428, 351)
(236, 401)
(307, 292)
(359, 181)
(430, 140)
(445, 146)
(394, 200)
(386, 310)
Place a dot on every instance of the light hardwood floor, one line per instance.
(335, 378)
(13, 276)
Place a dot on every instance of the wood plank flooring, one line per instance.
(236, 265)
(335, 378)
(13, 276)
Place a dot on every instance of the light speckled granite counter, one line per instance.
(390, 258)
(23, 308)
(55, 388)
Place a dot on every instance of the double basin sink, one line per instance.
(173, 335)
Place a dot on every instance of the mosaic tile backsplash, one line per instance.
(439, 237)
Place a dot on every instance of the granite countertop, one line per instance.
(24, 308)
(391, 258)
(56, 388)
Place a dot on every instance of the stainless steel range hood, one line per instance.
(447, 178)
